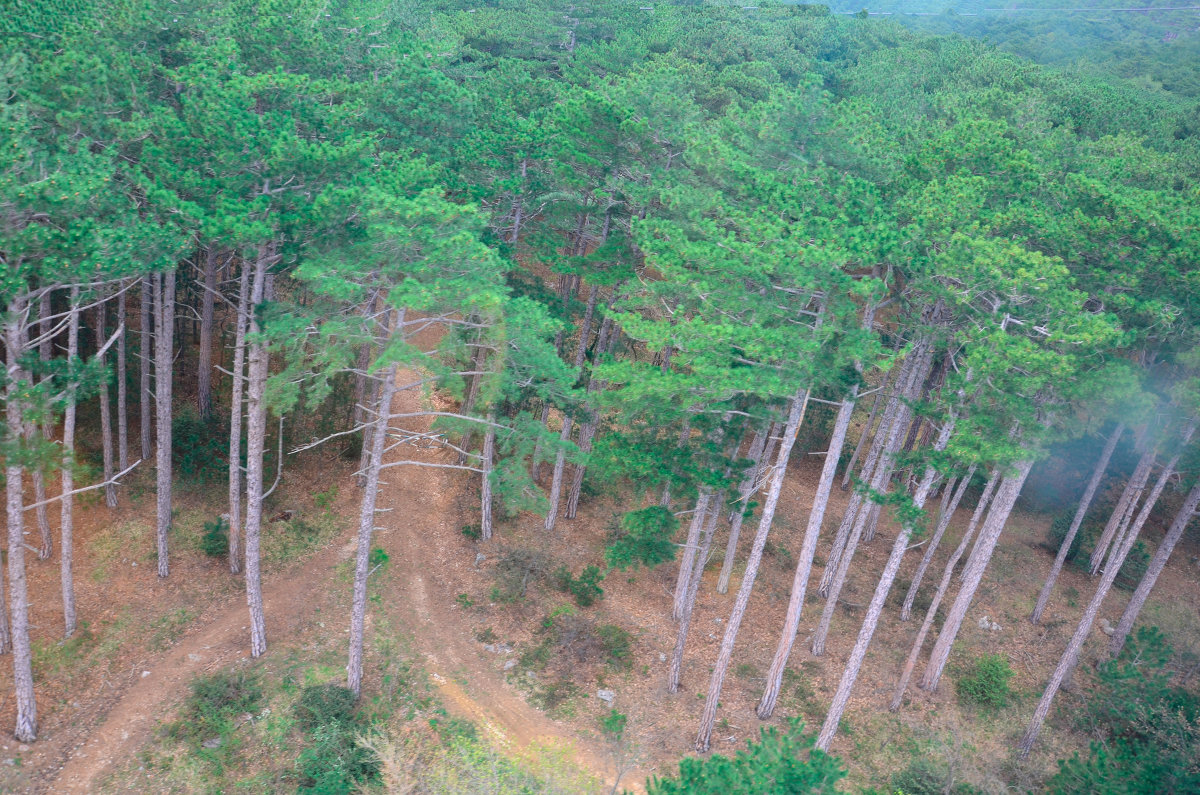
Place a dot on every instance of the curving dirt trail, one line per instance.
(418, 529)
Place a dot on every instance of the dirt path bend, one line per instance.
(419, 531)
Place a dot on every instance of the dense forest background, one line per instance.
(724, 357)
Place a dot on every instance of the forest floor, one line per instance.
(106, 694)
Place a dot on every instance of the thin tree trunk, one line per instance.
(1125, 506)
(685, 434)
(879, 482)
(145, 342)
(795, 416)
(808, 549)
(237, 389)
(26, 723)
(536, 458)
(841, 696)
(366, 527)
(122, 390)
(989, 534)
(1113, 566)
(688, 557)
(605, 342)
(164, 349)
(364, 387)
(204, 368)
(67, 474)
(1186, 512)
(713, 508)
(106, 431)
(866, 431)
(556, 478)
(485, 483)
(943, 586)
(39, 479)
(947, 513)
(256, 435)
(738, 515)
(1086, 502)
(518, 205)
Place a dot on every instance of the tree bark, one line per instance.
(145, 337)
(943, 586)
(866, 431)
(1125, 507)
(122, 390)
(366, 528)
(1186, 512)
(687, 559)
(880, 480)
(1086, 502)
(204, 368)
(556, 478)
(365, 391)
(738, 515)
(841, 696)
(808, 549)
(67, 474)
(238, 388)
(39, 479)
(1116, 560)
(989, 534)
(796, 412)
(106, 430)
(164, 349)
(256, 435)
(605, 342)
(713, 508)
(26, 722)
(947, 513)
(485, 484)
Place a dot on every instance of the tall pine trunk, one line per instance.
(1186, 512)
(605, 342)
(106, 430)
(256, 436)
(42, 513)
(204, 367)
(366, 528)
(688, 558)
(1121, 514)
(713, 508)
(947, 513)
(738, 515)
(866, 632)
(237, 390)
(989, 534)
(795, 416)
(485, 480)
(943, 586)
(145, 343)
(808, 549)
(67, 474)
(122, 389)
(164, 349)
(1086, 502)
(18, 592)
(866, 431)
(1117, 559)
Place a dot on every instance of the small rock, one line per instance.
(134, 564)
(193, 657)
(22, 748)
(213, 742)
(244, 718)
(662, 657)
(510, 664)
(985, 623)
(530, 675)
(10, 761)
(479, 558)
(1106, 627)
(145, 674)
(717, 620)
(606, 696)
(490, 647)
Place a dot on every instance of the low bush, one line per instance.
(320, 705)
(333, 760)
(516, 569)
(585, 588)
(214, 705)
(985, 684)
(214, 540)
(642, 538)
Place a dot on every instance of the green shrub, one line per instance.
(214, 541)
(515, 570)
(334, 762)
(198, 447)
(215, 703)
(776, 763)
(320, 705)
(986, 683)
(586, 588)
(616, 645)
(612, 724)
(643, 538)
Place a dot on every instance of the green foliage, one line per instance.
(985, 683)
(644, 538)
(215, 703)
(214, 540)
(612, 724)
(1148, 729)
(198, 447)
(775, 763)
(585, 588)
(333, 760)
(925, 776)
(325, 704)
